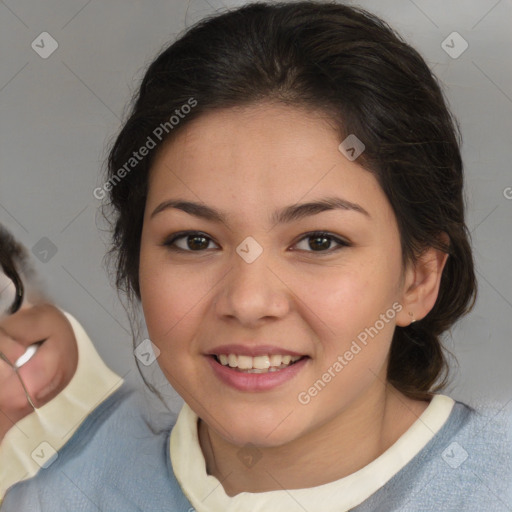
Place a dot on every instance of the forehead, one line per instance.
(264, 154)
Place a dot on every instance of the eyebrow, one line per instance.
(285, 215)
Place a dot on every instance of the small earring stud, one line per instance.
(412, 317)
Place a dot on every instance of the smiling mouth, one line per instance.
(258, 364)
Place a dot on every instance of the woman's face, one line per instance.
(232, 264)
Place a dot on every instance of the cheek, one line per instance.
(173, 297)
(163, 296)
(348, 298)
(171, 315)
(344, 307)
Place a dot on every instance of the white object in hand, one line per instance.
(25, 358)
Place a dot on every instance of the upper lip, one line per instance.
(253, 351)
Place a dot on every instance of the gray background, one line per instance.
(58, 115)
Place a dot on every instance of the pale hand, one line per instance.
(47, 373)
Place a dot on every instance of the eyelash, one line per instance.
(169, 243)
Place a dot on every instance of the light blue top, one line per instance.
(118, 460)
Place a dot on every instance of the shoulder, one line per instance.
(484, 440)
(118, 458)
(474, 457)
(467, 465)
(475, 445)
(485, 429)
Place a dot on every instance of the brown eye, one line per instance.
(320, 242)
(197, 243)
(190, 242)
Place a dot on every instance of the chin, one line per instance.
(268, 430)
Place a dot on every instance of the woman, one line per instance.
(288, 208)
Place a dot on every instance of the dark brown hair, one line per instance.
(351, 65)
(13, 259)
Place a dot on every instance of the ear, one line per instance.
(421, 284)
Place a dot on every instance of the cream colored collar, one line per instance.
(206, 493)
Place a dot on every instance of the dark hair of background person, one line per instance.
(13, 258)
(350, 65)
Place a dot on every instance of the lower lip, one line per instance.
(255, 381)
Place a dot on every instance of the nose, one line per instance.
(253, 293)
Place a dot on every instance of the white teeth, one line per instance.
(244, 362)
(261, 362)
(258, 364)
(275, 360)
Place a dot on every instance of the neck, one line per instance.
(372, 424)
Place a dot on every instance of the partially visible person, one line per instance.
(60, 385)
(47, 373)
(25, 319)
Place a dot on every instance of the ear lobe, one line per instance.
(421, 284)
